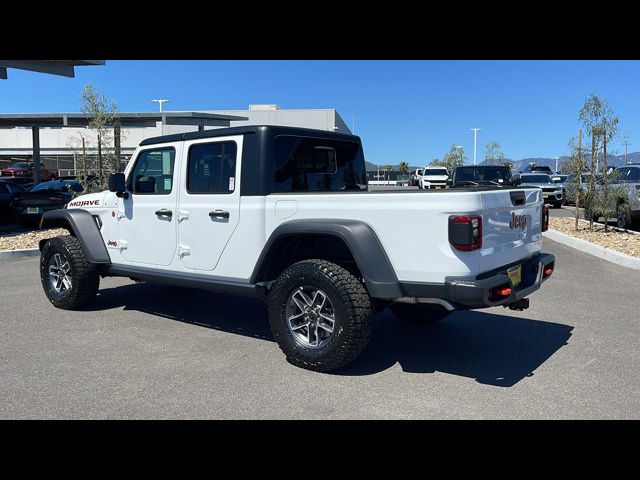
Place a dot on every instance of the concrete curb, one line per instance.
(592, 249)
(25, 252)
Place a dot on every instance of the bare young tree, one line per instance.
(453, 158)
(493, 153)
(104, 121)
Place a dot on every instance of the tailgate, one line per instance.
(511, 226)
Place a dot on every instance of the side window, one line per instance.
(153, 172)
(318, 165)
(212, 168)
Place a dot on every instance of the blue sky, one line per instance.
(404, 110)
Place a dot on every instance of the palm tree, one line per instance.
(404, 168)
(387, 168)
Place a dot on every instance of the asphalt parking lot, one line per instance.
(145, 351)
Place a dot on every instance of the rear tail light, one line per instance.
(500, 292)
(545, 218)
(548, 270)
(465, 232)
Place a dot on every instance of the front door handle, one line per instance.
(164, 213)
(219, 214)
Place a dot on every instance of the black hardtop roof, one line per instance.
(250, 129)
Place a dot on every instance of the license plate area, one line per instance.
(515, 274)
(33, 210)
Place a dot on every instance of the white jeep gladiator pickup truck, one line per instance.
(284, 214)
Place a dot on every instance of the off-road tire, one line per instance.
(353, 312)
(424, 314)
(85, 280)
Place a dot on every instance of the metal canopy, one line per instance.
(11, 120)
(64, 68)
(37, 120)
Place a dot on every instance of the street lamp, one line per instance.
(475, 133)
(160, 101)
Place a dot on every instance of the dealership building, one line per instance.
(59, 136)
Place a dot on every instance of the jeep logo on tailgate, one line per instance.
(518, 221)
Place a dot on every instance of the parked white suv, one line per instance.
(433, 177)
(284, 214)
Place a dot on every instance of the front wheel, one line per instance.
(69, 280)
(320, 315)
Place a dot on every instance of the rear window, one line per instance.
(318, 165)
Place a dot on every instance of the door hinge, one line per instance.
(183, 215)
(183, 250)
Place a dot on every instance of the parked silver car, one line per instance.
(552, 192)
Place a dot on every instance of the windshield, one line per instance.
(435, 171)
(58, 187)
(535, 178)
(497, 175)
(18, 165)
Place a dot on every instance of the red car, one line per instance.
(25, 169)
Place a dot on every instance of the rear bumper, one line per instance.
(465, 293)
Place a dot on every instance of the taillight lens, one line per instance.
(545, 218)
(465, 232)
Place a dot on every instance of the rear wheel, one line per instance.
(425, 313)
(320, 315)
(69, 280)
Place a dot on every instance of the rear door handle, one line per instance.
(219, 214)
(164, 213)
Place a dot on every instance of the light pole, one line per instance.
(475, 133)
(160, 101)
(556, 170)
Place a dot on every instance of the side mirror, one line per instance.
(117, 183)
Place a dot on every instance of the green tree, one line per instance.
(453, 158)
(493, 153)
(601, 124)
(104, 120)
(387, 169)
(404, 168)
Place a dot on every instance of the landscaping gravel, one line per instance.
(28, 240)
(624, 242)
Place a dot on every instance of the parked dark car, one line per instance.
(25, 182)
(532, 168)
(28, 207)
(476, 175)
(25, 169)
(7, 191)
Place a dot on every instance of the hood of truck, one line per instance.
(89, 201)
(434, 178)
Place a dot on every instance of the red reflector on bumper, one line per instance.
(548, 271)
